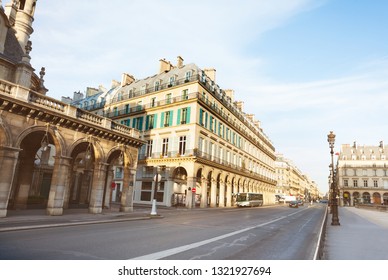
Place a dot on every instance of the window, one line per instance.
(201, 145)
(211, 124)
(185, 94)
(182, 145)
(172, 81)
(184, 116)
(188, 76)
(346, 183)
(146, 189)
(157, 85)
(375, 183)
(201, 117)
(127, 108)
(167, 119)
(143, 89)
(365, 183)
(168, 98)
(118, 173)
(115, 111)
(153, 101)
(355, 183)
(139, 105)
(149, 148)
(165, 147)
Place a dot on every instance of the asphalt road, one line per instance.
(267, 233)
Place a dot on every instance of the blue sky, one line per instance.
(301, 67)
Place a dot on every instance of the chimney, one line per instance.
(257, 124)
(382, 144)
(179, 62)
(239, 105)
(355, 144)
(115, 84)
(230, 93)
(126, 79)
(250, 117)
(211, 73)
(165, 66)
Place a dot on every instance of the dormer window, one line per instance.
(188, 76)
(157, 85)
(172, 81)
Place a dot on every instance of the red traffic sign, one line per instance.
(113, 185)
(193, 190)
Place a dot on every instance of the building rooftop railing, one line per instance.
(48, 104)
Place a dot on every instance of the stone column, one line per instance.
(8, 160)
(127, 193)
(222, 194)
(189, 194)
(26, 170)
(59, 182)
(213, 193)
(97, 194)
(203, 193)
(228, 194)
(108, 189)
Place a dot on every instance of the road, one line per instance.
(267, 233)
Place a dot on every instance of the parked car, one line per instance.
(300, 202)
(293, 204)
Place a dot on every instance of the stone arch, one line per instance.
(366, 199)
(376, 198)
(55, 138)
(96, 148)
(40, 147)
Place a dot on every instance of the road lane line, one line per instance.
(180, 249)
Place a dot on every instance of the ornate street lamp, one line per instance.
(334, 203)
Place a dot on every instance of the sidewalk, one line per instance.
(37, 218)
(362, 235)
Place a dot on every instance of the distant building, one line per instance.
(362, 174)
(199, 139)
(292, 182)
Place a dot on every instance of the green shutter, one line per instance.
(170, 120)
(147, 122)
(200, 117)
(162, 120)
(179, 117)
(188, 115)
(155, 120)
(141, 119)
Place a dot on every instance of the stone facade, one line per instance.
(362, 174)
(197, 137)
(53, 155)
(292, 182)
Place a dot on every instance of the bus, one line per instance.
(249, 199)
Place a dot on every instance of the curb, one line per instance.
(66, 224)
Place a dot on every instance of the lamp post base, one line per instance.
(153, 210)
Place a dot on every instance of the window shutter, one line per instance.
(179, 116)
(170, 120)
(155, 120)
(147, 122)
(141, 119)
(162, 120)
(188, 115)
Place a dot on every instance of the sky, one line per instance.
(303, 68)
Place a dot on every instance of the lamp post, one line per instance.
(157, 178)
(334, 203)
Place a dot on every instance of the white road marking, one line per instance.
(177, 250)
